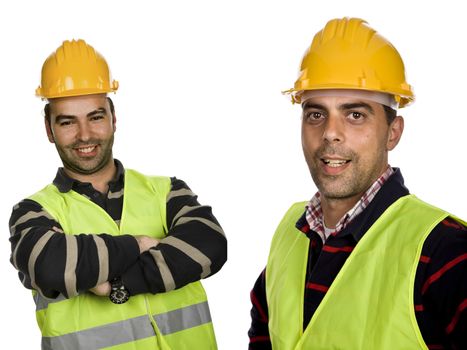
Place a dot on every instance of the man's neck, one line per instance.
(100, 179)
(335, 209)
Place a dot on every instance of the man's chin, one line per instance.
(83, 169)
(338, 193)
(336, 190)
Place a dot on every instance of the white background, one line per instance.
(200, 98)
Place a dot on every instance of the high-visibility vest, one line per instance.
(370, 303)
(179, 319)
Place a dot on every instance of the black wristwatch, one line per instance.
(118, 294)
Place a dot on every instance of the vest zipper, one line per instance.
(160, 341)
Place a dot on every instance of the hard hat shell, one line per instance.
(74, 69)
(348, 54)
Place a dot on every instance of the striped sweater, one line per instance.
(201, 248)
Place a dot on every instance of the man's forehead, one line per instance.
(79, 98)
(350, 95)
(78, 103)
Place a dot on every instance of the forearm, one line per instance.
(195, 247)
(53, 262)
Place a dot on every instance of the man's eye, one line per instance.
(356, 115)
(96, 117)
(65, 123)
(313, 116)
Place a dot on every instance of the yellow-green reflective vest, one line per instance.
(178, 319)
(370, 303)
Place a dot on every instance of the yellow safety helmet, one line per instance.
(348, 54)
(74, 69)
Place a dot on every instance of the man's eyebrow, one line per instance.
(101, 110)
(308, 104)
(59, 118)
(347, 106)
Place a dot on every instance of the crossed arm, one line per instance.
(144, 243)
(194, 248)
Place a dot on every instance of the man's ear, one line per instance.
(396, 128)
(114, 122)
(48, 129)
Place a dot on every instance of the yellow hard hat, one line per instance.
(348, 54)
(74, 69)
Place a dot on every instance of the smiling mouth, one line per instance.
(335, 163)
(86, 150)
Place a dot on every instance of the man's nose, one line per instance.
(333, 129)
(84, 131)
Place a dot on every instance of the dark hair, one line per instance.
(47, 109)
(112, 108)
(391, 114)
(47, 112)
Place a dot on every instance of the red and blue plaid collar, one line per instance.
(314, 212)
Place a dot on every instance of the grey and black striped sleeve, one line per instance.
(52, 262)
(195, 247)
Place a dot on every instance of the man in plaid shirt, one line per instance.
(363, 264)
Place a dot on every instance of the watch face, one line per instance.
(119, 296)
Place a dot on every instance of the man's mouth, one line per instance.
(87, 150)
(334, 163)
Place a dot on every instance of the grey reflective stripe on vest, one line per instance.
(102, 336)
(180, 319)
(130, 330)
(43, 302)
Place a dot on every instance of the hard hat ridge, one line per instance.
(77, 49)
(351, 30)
